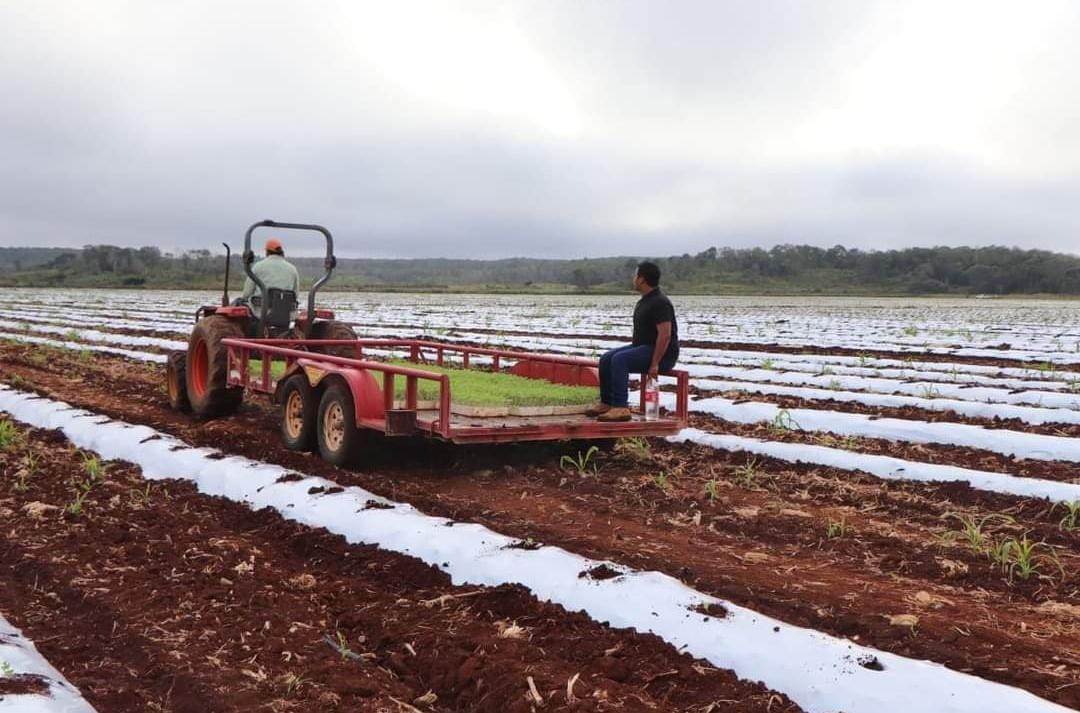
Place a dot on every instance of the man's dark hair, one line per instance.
(649, 272)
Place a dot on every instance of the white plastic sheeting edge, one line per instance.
(820, 672)
(1035, 415)
(885, 466)
(1035, 446)
(22, 657)
(79, 346)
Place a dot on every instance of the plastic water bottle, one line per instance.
(652, 399)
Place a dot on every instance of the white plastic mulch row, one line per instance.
(973, 409)
(966, 387)
(80, 346)
(820, 672)
(885, 466)
(996, 440)
(19, 657)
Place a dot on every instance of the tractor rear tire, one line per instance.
(176, 381)
(299, 411)
(340, 440)
(332, 329)
(208, 366)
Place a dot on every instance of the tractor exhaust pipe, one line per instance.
(225, 291)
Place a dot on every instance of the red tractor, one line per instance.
(331, 392)
(198, 378)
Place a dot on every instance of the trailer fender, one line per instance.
(366, 391)
(294, 369)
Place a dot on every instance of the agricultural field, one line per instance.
(875, 500)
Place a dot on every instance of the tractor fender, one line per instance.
(366, 392)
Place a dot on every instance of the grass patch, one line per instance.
(473, 387)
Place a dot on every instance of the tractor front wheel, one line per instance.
(208, 367)
(298, 413)
(338, 435)
(176, 381)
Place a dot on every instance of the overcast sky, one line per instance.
(547, 129)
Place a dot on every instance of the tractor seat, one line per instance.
(282, 304)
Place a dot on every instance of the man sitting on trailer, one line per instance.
(275, 272)
(655, 347)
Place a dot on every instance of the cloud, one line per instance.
(541, 128)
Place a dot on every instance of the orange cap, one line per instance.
(273, 245)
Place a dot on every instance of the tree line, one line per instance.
(783, 269)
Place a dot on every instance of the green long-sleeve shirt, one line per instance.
(274, 271)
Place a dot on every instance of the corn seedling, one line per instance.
(141, 497)
(837, 528)
(17, 381)
(746, 474)
(9, 434)
(27, 467)
(1018, 558)
(93, 468)
(343, 645)
(1072, 515)
(712, 489)
(783, 421)
(1022, 558)
(292, 682)
(582, 464)
(636, 446)
(973, 532)
(662, 481)
(911, 330)
(6, 671)
(81, 488)
(835, 385)
(86, 356)
(864, 358)
(767, 364)
(929, 392)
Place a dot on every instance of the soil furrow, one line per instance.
(157, 598)
(764, 546)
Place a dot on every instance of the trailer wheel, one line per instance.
(207, 367)
(332, 329)
(299, 410)
(176, 381)
(339, 437)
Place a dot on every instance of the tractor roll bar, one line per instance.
(329, 263)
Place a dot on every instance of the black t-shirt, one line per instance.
(651, 310)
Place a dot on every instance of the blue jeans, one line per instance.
(616, 366)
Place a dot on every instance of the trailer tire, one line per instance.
(332, 329)
(208, 365)
(299, 411)
(340, 440)
(176, 381)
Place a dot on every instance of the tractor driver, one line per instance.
(274, 271)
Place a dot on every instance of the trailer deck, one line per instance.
(377, 408)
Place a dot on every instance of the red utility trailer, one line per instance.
(330, 399)
(336, 388)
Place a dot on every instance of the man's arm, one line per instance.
(663, 338)
(249, 289)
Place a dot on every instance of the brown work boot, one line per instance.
(614, 415)
(597, 408)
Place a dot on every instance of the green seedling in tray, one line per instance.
(473, 387)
